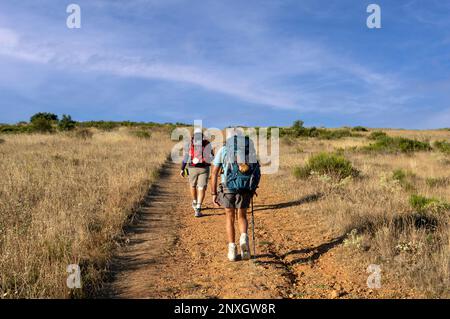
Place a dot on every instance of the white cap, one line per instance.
(197, 130)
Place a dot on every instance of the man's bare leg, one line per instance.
(200, 196)
(242, 220)
(194, 193)
(230, 212)
(243, 228)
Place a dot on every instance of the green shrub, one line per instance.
(399, 175)
(397, 144)
(104, 126)
(422, 204)
(377, 135)
(44, 115)
(298, 124)
(360, 129)
(298, 130)
(335, 134)
(405, 179)
(42, 125)
(15, 129)
(332, 165)
(302, 172)
(442, 146)
(66, 123)
(9, 129)
(408, 145)
(107, 126)
(141, 134)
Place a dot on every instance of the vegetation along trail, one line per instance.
(171, 254)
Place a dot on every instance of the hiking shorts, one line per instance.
(233, 200)
(198, 176)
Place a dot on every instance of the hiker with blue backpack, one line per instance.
(240, 172)
(196, 166)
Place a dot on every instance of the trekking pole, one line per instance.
(253, 232)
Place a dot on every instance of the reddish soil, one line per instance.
(171, 254)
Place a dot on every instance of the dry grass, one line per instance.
(378, 207)
(64, 200)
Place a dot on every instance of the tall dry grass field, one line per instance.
(64, 200)
(413, 247)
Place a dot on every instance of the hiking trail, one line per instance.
(171, 254)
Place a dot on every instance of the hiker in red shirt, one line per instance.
(196, 165)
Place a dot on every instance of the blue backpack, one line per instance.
(243, 169)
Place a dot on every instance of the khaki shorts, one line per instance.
(198, 177)
(233, 200)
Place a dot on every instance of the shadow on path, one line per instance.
(317, 251)
(298, 202)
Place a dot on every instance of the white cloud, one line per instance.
(8, 38)
(261, 77)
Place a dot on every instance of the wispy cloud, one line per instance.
(251, 52)
(260, 82)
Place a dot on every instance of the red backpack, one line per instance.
(197, 153)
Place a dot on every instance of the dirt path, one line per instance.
(171, 254)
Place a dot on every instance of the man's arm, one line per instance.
(185, 159)
(214, 175)
(215, 171)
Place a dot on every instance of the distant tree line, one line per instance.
(299, 130)
(44, 122)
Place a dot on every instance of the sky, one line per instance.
(253, 62)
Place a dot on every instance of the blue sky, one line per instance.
(262, 62)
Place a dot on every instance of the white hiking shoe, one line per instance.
(232, 252)
(198, 212)
(194, 204)
(245, 247)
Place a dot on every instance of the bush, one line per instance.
(15, 129)
(332, 165)
(42, 125)
(141, 134)
(335, 134)
(302, 172)
(9, 129)
(420, 202)
(377, 135)
(397, 144)
(423, 204)
(298, 124)
(66, 123)
(405, 179)
(360, 129)
(46, 116)
(399, 175)
(298, 130)
(105, 126)
(442, 146)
